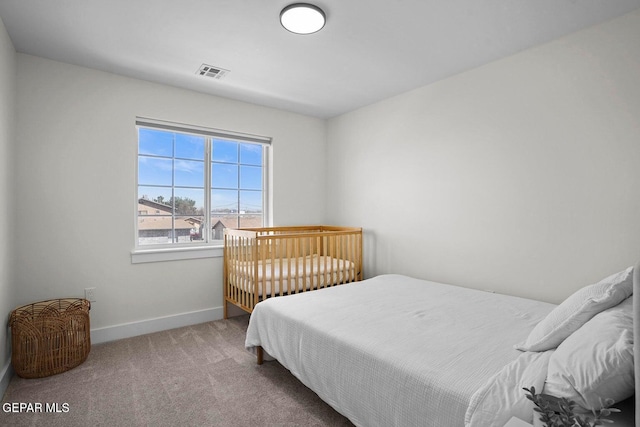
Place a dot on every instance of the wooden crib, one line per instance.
(272, 261)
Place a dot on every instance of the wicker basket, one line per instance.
(49, 337)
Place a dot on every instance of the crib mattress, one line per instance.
(286, 275)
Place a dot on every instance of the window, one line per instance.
(195, 182)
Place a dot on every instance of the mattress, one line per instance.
(394, 350)
(285, 275)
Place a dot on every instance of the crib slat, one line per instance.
(225, 276)
(280, 255)
(274, 260)
(317, 259)
(340, 254)
(334, 255)
(333, 273)
(305, 250)
(296, 256)
(346, 263)
(327, 245)
(341, 261)
(249, 288)
(351, 258)
(243, 259)
(263, 262)
(236, 270)
(248, 272)
(254, 267)
(289, 259)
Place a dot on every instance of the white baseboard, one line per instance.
(5, 377)
(128, 330)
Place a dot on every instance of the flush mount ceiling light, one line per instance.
(302, 18)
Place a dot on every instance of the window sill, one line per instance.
(140, 256)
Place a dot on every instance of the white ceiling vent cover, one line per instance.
(211, 71)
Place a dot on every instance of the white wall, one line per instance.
(7, 110)
(521, 176)
(75, 187)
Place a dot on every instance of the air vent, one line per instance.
(211, 71)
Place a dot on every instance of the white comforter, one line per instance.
(397, 351)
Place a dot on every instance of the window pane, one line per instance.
(224, 175)
(250, 178)
(226, 220)
(155, 142)
(154, 171)
(154, 230)
(220, 222)
(189, 146)
(224, 201)
(250, 202)
(161, 196)
(251, 154)
(250, 221)
(189, 173)
(189, 229)
(181, 232)
(189, 201)
(224, 151)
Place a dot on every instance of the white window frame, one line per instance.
(213, 248)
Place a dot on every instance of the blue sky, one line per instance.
(156, 163)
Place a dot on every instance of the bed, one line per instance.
(398, 351)
(260, 263)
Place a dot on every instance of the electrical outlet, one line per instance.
(90, 294)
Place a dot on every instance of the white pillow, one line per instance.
(577, 309)
(596, 362)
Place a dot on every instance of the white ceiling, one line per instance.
(369, 50)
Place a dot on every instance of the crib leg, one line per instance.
(260, 354)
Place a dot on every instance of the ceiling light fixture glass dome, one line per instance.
(302, 18)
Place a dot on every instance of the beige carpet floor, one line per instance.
(193, 376)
